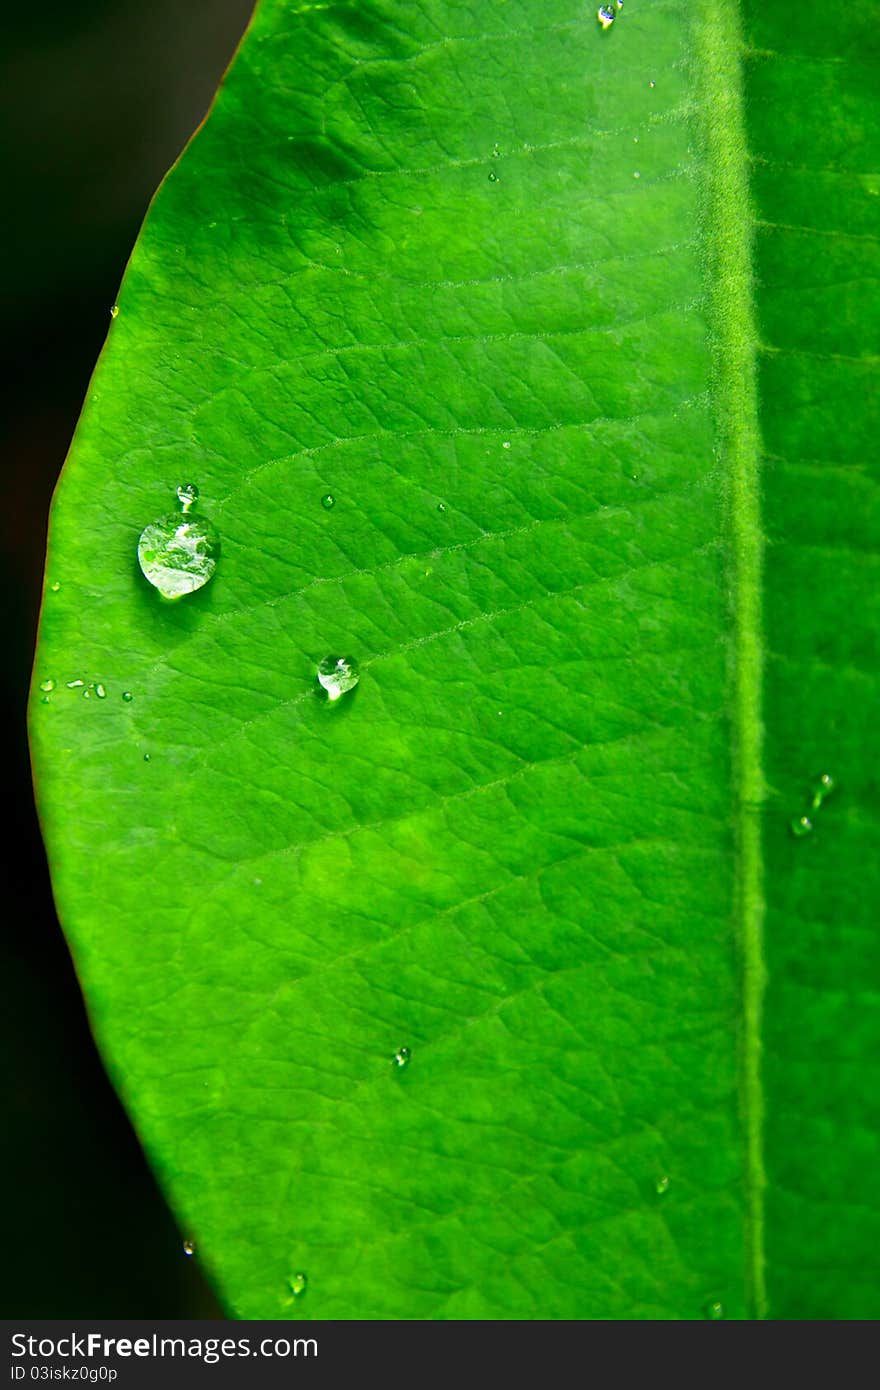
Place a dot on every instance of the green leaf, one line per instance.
(578, 328)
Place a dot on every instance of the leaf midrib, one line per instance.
(729, 225)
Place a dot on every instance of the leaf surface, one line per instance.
(569, 324)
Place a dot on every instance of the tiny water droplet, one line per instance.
(189, 1247)
(100, 692)
(75, 685)
(714, 1310)
(801, 826)
(823, 788)
(187, 496)
(605, 16)
(506, 444)
(402, 1057)
(328, 501)
(114, 311)
(55, 587)
(127, 696)
(146, 757)
(661, 1186)
(298, 1283)
(493, 177)
(441, 506)
(45, 700)
(496, 150)
(636, 174)
(178, 554)
(652, 83)
(47, 685)
(338, 675)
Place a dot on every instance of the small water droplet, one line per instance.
(298, 1283)
(506, 444)
(801, 826)
(661, 1186)
(328, 501)
(146, 757)
(652, 83)
(822, 788)
(493, 177)
(606, 16)
(441, 506)
(714, 1310)
(189, 1247)
(100, 692)
(338, 675)
(75, 685)
(127, 696)
(402, 1057)
(114, 311)
(187, 496)
(47, 685)
(178, 554)
(636, 174)
(55, 587)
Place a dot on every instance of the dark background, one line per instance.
(97, 97)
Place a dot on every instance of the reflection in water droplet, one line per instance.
(114, 310)
(100, 692)
(328, 501)
(800, 826)
(298, 1283)
(402, 1057)
(189, 1248)
(714, 1310)
(127, 696)
(338, 675)
(178, 554)
(823, 788)
(187, 496)
(605, 16)
(661, 1186)
(47, 685)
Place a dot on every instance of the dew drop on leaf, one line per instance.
(146, 757)
(402, 1057)
(328, 501)
(606, 16)
(298, 1283)
(801, 826)
(714, 1310)
(75, 685)
(100, 692)
(55, 587)
(114, 311)
(187, 496)
(661, 1186)
(822, 788)
(493, 177)
(189, 1248)
(127, 696)
(178, 554)
(46, 686)
(338, 675)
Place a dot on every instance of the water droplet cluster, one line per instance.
(819, 792)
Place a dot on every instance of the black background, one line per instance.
(97, 97)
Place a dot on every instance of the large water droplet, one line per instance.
(402, 1057)
(46, 686)
(822, 788)
(178, 554)
(338, 675)
(714, 1310)
(298, 1283)
(801, 826)
(328, 501)
(606, 16)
